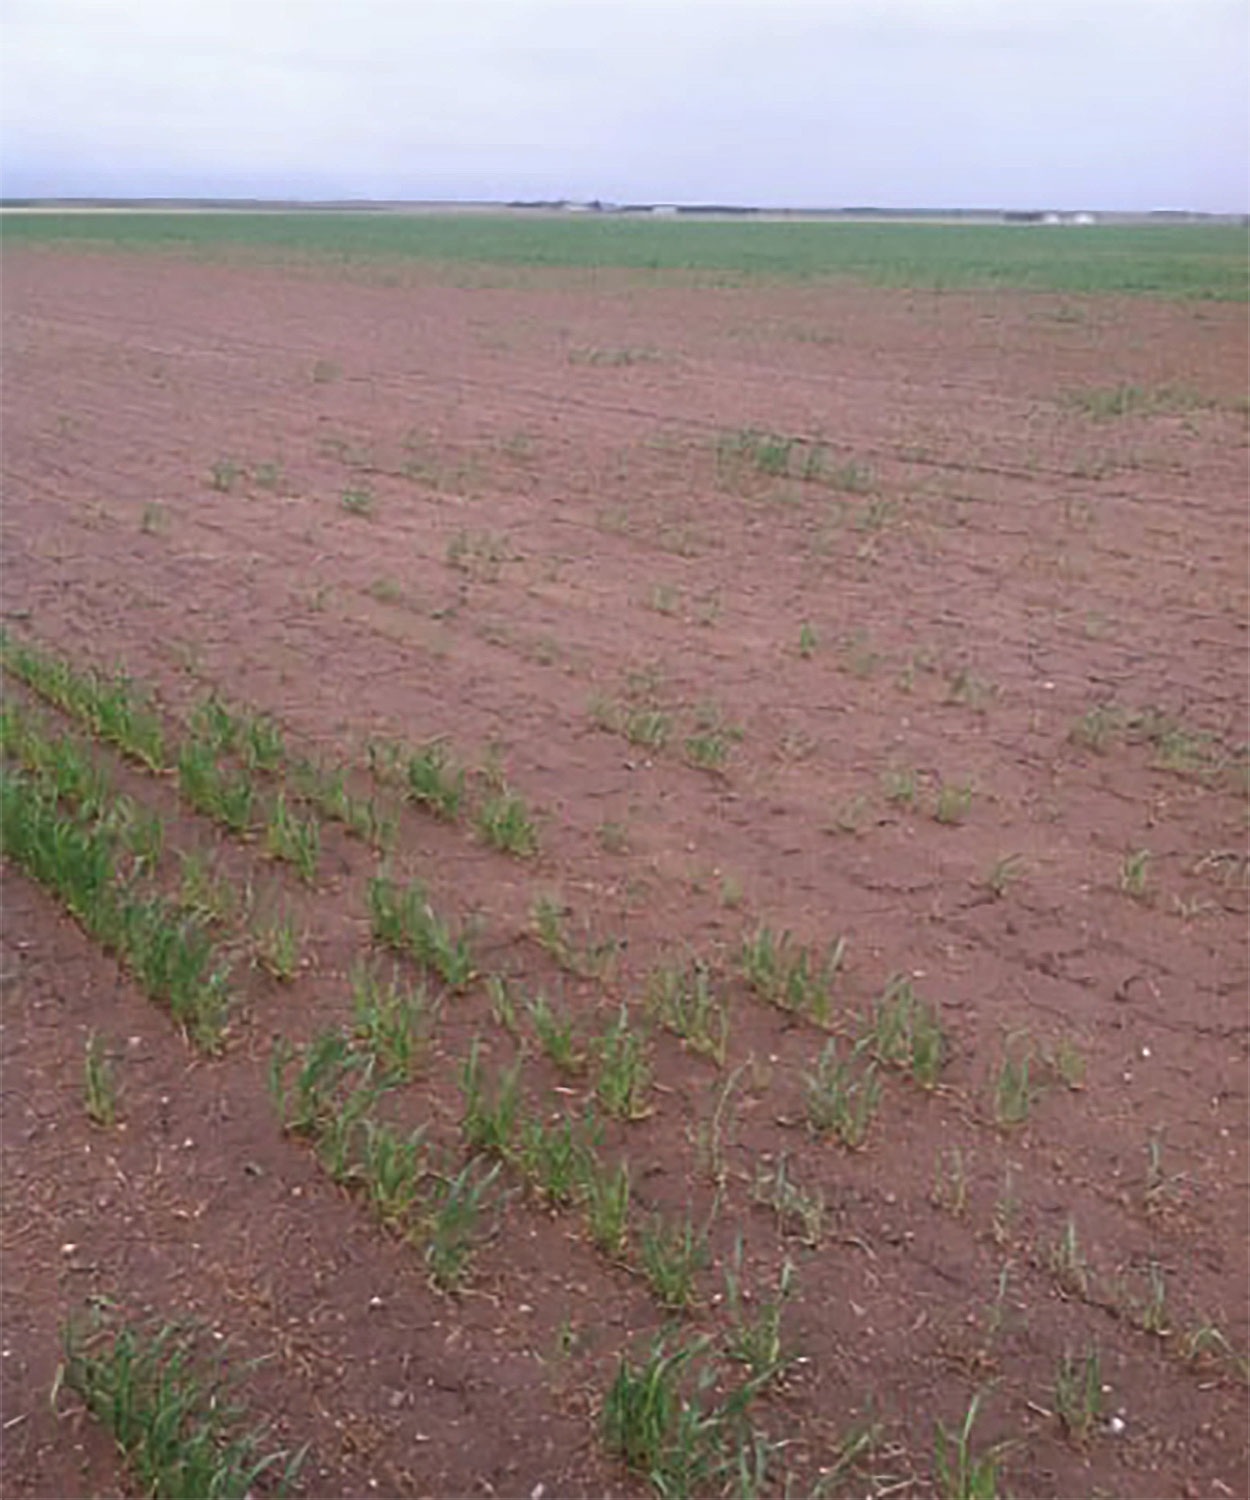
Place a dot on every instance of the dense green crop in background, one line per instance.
(1167, 260)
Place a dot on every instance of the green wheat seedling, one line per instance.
(341, 1131)
(755, 1335)
(950, 1182)
(789, 975)
(59, 763)
(175, 962)
(1068, 1264)
(547, 915)
(450, 1225)
(277, 945)
(900, 787)
(624, 1072)
(681, 998)
(172, 1410)
(213, 726)
(642, 1406)
(357, 500)
(648, 728)
(224, 474)
(503, 1007)
(672, 1256)
(262, 744)
(556, 1035)
(142, 832)
(606, 1196)
(403, 919)
(555, 1159)
(962, 1474)
(481, 555)
(796, 1210)
(324, 1068)
(99, 1084)
(1151, 1314)
(203, 892)
(504, 822)
(229, 799)
(391, 1167)
(1014, 1088)
(76, 861)
(492, 1113)
(953, 803)
(970, 691)
(1078, 1393)
(392, 1022)
(268, 474)
(904, 1032)
(1066, 1061)
(808, 641)
(748, 450)
(1135, 874)
(842, 1095)
(1002, 874)
(325, 789)
(435, 782)
(293, 839)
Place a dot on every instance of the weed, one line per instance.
(953, 803)
(293, 839)
(794, 1208)
(554, 1026)
(755, 1337)
(1134, 874)
(403, 918)
(905, 1032)
(99, 1084)
(171, 1410)
(841, 1096)
(672, 1257)
(708, 750)
(433, 781)
(962, 1474)
(504, 821)
(393, 1022)
(358, 500)
(490, 1118)
(624, 1072)
(1003, 873)
(449, 1227)
(1078, 1393)
(607, 1195)
(789, 975)
(683, 1001)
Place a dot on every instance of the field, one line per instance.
(625, 858)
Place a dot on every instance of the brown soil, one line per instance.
(552, 524)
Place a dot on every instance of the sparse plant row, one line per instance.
(1196, 753)
(326, 1094)
(708, 739)
(434, 780)
(748, 452)
(125, 715)
(170, 1402)
(168, 951)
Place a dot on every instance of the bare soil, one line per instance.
(561, 517)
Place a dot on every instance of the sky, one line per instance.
(1111, 104)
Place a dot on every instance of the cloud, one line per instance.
(1117, 103)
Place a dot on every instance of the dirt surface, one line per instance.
(555, 511)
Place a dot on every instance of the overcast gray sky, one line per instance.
(1118, 104)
